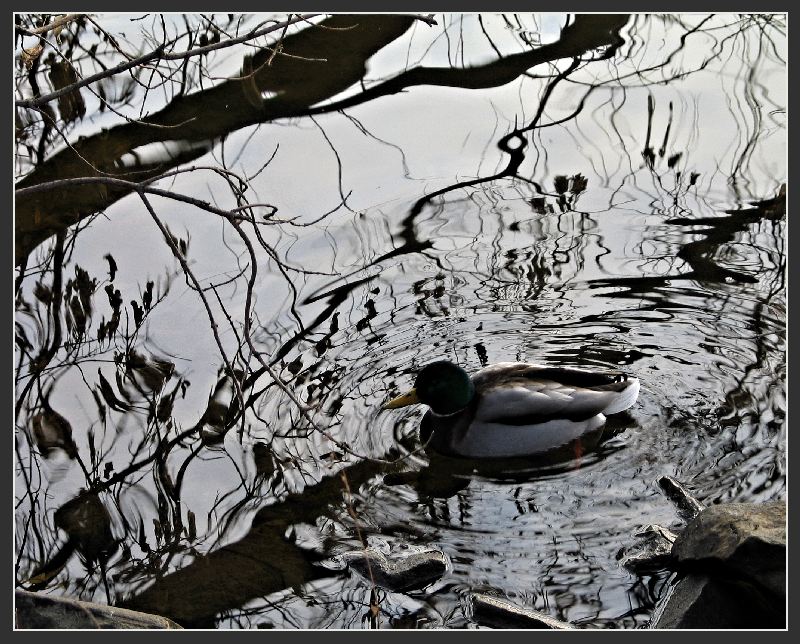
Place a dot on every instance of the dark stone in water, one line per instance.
(745, 539)
(686, 505)
(652, 552)
(501, 613)
(732, 561)
(699, 601)
(408, 572)
(37, 611)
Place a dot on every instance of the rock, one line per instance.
(652, 552)
(686, 505)
(748, 540)
(407, 572)
(700, 601)
(501, 613)
(38, 611)
(732, 563)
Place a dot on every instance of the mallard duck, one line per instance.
(513, 408)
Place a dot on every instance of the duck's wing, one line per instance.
(525, 394)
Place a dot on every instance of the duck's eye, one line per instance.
(621, 377)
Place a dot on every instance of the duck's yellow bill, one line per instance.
(409, 398)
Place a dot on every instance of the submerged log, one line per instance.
(38, 611)
(502, 613)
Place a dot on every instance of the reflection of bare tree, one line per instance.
(139, 390)
(181, 120)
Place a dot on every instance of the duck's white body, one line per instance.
(523, 409)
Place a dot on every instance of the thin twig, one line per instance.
(375, 609)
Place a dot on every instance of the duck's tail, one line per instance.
(625, 398)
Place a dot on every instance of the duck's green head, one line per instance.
(445, 387)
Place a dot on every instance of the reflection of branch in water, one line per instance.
(364, 36)
(338, 163)
(699, 254)
(190, 275)
(586, 33)
(303, 409)
(363, 129)
(46, 355)
(168, 528)
(261, 563)
(158, 54)
(233, 218)
(609, 37)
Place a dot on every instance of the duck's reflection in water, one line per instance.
(444, 476)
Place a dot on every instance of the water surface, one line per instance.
(603, 191)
